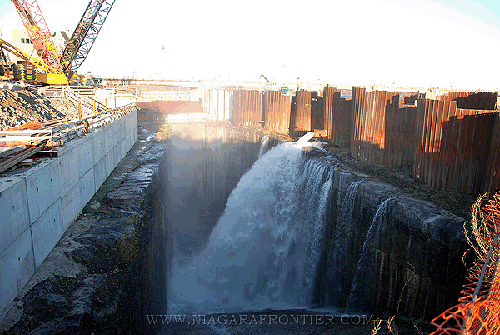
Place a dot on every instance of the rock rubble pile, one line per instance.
(19, 107)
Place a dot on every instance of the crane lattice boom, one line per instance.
(86, 32)
(39, 33)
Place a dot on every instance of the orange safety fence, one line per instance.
(478, 311)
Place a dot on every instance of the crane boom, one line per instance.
(40, 35)
(40, 65)
(86, 32)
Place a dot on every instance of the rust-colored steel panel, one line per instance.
(301, 111)
(339, 116)
(452, 144)
(473, 100)
(328, 92)
(371, 126)
(277, 110)
(247, 108)
(317, 111)
(492, 178)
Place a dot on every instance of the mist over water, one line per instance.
(264, 250)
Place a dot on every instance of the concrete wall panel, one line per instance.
(85, 156)
(87, 188)
(128, 124)
(110, 162)
(100, 172)
(38, 207)
(116, 133)
(117, 154)
(68, 169)
(70, 205)
(14, 208)
(46, 231)
(42, 186)
(17, 267)
(108, 137)
(98, 145)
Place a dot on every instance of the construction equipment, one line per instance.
(46, 74)
(83, 37)
(6, 71)
(37, 29)
(52, 67)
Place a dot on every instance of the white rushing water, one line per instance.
(366, 260)
(263, 145)
(265, 249)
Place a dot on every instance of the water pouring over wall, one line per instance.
(264, 251)
(301, 230)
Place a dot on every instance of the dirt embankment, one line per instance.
(19, 107)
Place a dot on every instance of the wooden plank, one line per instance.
(24, 132)
(7, 151)
(12, 161)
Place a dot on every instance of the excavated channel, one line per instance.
(109, 274)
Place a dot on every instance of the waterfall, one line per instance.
(338, 248)
(265, 248)
(347, 207)
(263, 145)
(366, 261)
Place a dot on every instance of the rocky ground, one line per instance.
(18, 107)
(401, 177)
(25, 104)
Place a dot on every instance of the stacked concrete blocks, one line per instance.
(39, 205)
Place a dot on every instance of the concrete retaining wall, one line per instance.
(36, 207)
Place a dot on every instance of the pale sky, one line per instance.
(452, 43)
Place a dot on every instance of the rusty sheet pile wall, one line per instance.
(453, 142)
(301, 111)
(337, 116)
(453, 145)
(493, 164)
(277, 110)
(317, 111)
(370, 115)
(399, 133)
(247, 108)
(472, 100)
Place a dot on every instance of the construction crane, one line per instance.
(77, 48)
(39, 33)
(83, 37)
(46, 73)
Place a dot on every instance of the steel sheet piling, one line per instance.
(451, 148)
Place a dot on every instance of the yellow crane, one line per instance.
(52, 68)
(46, 74)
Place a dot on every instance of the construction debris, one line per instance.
(19, 107)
